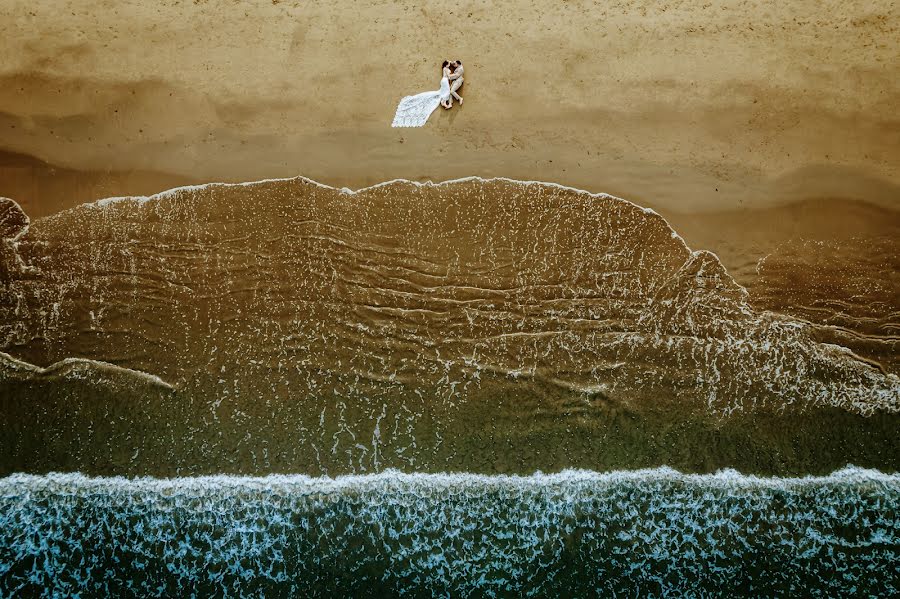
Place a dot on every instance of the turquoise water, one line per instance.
(575, 533)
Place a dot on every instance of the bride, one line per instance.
(413, 111)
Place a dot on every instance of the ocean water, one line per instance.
(336, 353)
(575, 533)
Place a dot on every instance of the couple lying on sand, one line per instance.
(414, 111)
(450, 82)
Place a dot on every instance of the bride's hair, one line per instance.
(446, 62)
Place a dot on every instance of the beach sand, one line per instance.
(739, 121)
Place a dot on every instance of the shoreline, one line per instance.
(740, 236)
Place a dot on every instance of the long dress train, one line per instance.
(413, 111)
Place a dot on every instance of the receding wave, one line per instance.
(576, 533)
(854, 294)
(99, 373)
(306, 328)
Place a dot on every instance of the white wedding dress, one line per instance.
(413, 111)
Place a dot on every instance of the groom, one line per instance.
(456, 79)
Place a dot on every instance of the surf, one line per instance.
(657, 532)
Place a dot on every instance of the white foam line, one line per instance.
(347, 191)
(60, 366)
(723, 478)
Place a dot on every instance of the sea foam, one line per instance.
(646, 532)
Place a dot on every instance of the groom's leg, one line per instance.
(457, 83)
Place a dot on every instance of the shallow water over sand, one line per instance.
(483, 326)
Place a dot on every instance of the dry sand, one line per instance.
(732, 107)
